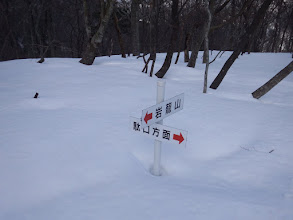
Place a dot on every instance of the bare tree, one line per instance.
(199, 35)
(31, 28)
(95, 40)
(273, 81)
(243, 44)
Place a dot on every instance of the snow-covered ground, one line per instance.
(70, 153)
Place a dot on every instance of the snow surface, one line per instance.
(70, 155)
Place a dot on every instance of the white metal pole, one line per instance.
(157, 144)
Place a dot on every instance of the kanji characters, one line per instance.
(166, 134)
(177, 103)
(146, 130)
(159, 112)
(156, 132)
(136, 126)
(168, 107)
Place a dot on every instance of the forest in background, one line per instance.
(59, 28)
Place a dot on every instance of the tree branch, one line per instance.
(244, 7)
(221, 7)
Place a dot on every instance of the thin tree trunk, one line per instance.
(206, 70)
(186, 51)
(273, 81)
(146, 63)
(110, 47)
(120, 39)
(276, 36)
(206, 46)
(135, 28)
(205, 58)
(243, 44)
(282, 40)
(153, 65)
(177, 57)
(179, 46)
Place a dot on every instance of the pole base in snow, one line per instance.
(160, 173)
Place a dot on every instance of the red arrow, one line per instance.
(148, 117)
(178, 138)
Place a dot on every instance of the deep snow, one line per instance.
(70, 153)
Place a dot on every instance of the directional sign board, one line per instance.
(159, 132)
(162, 110)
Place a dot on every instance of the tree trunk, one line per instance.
(207, 66)
(204, 29)
(243, 43)
(166, 65)
(273, 81)
(153, 33)
(196, 43)
(135, 28)
(175, 23)
(283, 36)
(120, 39)
(88, 28)
(275, 38)
(153, 29)
(89, 53)
(206, 46)
(179, 45)
(217, 81)
(186, 50)
(205, 58)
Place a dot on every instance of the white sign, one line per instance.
(159, 132)
(162, 110)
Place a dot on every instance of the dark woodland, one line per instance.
(59, 28)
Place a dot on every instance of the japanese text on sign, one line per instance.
(160, 132)
(162, 110)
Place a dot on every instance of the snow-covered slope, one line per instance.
(70, 154)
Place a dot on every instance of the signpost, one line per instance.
(162, 110)
(151, 124)
(159, 132)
